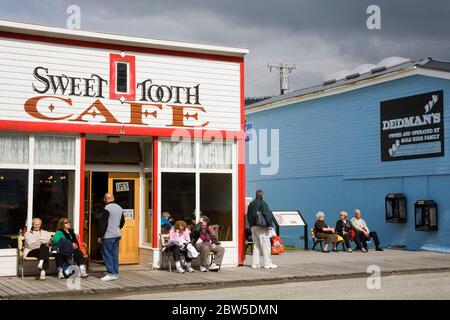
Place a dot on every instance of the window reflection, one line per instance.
(52, 196)
(13, 205)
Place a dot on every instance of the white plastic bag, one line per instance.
(191, 251)
(272, 233)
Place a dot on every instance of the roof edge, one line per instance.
(61, 33)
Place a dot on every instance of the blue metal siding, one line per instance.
(330, 161)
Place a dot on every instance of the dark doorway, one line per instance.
(99, 188)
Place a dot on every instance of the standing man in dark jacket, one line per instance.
(109, 234)
(260, 220)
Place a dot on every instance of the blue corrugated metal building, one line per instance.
(330, 149)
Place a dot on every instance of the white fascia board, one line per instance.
(434, 73)
(338, 90)
(39, 30)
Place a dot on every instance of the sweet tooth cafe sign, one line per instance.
(57, 99)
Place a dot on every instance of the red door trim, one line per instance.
(82, 186)
(155, 192)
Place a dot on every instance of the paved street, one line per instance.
(417, 286)
(296, 266)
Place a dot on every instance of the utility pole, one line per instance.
(284, 70)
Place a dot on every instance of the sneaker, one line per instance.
(42, 275)
(180, 270)
(203, 269)
(109, 277)
(254, 266)
(350, 250)
(214, 267)
(189, 269)
(271, 266)
(378, 249)
(364, 250)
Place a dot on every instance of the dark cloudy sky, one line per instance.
(319, 36)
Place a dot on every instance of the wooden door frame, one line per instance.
(137, 203)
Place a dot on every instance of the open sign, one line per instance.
(122, 186)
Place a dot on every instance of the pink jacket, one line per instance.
(180, 238)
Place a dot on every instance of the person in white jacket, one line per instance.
(37, 244)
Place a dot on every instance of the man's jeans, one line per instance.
(111, 255)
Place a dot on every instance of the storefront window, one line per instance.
(14, 149)
(54, 150)
(13, 205)
(215, 155)
(178, 194)
(53, 192)
(177, 154)
(216, 202)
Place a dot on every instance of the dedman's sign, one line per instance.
(412, 127)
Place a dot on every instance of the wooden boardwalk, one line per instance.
(293, 266)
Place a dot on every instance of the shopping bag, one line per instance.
(191, 251)
(277, 245)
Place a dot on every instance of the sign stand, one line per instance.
(291, 218)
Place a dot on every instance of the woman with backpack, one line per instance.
(260, 220)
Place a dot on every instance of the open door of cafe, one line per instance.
(125, 188)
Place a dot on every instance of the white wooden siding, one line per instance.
(219, 83)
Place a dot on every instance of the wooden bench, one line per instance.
(28, 265)
(166, 254)
(317, 241)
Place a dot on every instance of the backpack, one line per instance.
(277, 245)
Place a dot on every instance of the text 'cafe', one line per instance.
(157, 123)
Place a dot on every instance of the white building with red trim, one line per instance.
(83, 113)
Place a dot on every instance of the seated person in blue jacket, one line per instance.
(65, 240)
(205, 242)
(343, 228)
(364, 233)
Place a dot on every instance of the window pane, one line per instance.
(178, 194)
(122, 77)
(177, 154)
(14, 149)
(216, 202)
(13, 205)
(53, 194)
(215, 155)
(54, 150)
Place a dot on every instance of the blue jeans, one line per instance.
(111, 255)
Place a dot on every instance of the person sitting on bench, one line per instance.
(325, 232)
(66, 242)
(205, 242)
(37, 244)
(364, 232)
(178, 239)
(343, 228)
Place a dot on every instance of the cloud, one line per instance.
(319, 36)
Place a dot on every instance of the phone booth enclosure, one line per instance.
(426, 215)
(395, 205)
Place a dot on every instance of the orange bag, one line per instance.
(277, 245)
(82, 246)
